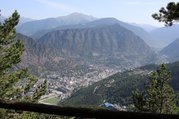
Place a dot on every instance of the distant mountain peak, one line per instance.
(78, 15)
(105, 21)
(36, 26)
(110, 18)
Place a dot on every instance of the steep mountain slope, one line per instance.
(76, 18)
(109, 44)
(37, 55)
(118, 87)
(32, 27)
(171, 51)
(40, 59)
(165, 35)
(103, 22)
(137, 30)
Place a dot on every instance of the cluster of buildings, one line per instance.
(64, 87)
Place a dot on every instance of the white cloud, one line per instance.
(56, 5)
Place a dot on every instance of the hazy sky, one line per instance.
(132, 11)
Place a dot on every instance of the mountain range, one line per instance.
(21, 21)
(165, 35)
(100, 22)
(38, 28)
(110, 21)
(105, 43)
(153, 36)
(157, 38)
(30, 28)
(104, 40)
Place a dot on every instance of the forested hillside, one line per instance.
(118, 88)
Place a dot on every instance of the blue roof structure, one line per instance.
(108, 104)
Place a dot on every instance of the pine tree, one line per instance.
(168, 15)
(158, 96)
(15, 83)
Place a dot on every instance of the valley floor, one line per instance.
(60, 88)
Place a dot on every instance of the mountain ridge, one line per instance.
(103, 22)
(171, 51)
(113, 41)
(32, 27)
(38, 28)
(165, 35)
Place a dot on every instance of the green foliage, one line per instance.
(15, 83)
(114, 89)
(39, 91)
(158, 96)
(169, 14)
(117, 89)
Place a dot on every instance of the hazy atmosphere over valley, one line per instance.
(92, 53)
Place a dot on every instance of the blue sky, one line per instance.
(132, 11)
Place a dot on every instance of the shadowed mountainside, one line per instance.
(171, 51)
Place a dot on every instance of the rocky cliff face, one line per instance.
(101, 42)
